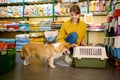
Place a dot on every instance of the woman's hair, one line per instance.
(76, 9)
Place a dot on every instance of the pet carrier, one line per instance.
(89, 56)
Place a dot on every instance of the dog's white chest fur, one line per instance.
(57, 54)
(56, 44)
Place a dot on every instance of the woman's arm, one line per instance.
(61, 34)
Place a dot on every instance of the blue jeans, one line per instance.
(72, 39)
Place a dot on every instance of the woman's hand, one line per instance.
(83, 43)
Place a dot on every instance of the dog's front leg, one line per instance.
(25, 62)
(51, 62)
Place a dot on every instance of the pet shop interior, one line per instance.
(39, 22)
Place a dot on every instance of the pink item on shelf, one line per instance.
(118, 30)
(26, 11)
(102, 5)
(95, 26)
(97, 6)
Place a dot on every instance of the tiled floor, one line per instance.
(39, 71)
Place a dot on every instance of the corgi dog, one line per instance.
(46, 51)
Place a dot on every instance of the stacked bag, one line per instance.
(21, 40)
(45, 25)
(7, 55)
(51, 36)
(57, 24)
(24, 25)
(35, 26)
(37, 37)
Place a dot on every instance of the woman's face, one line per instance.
(74, 16)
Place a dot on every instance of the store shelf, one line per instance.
(94, 14)
(11, 17)
(96, 30)
(26, 30)
(113, 61)
(41, 2)
(69, 2)
(20, 3)
(10, 4)
(64, 15)
(99, 13)
(47, 16)
(44, 16)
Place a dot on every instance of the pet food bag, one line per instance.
(51, 36)
(21, 40)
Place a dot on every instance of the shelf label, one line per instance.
(88, 18)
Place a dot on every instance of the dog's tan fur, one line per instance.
(48, 51)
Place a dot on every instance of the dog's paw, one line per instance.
(25, 63)
(52, 66)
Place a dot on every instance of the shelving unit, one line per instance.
(98, 18)
(112, 36)
(25, 18)
(53, 16)
(96, 30)
(44, 16)
(113, 61)
(11, 4)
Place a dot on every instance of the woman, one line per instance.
(73, 30)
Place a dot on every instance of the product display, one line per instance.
(21, 40)
(112, 35)
(45, 25)
(37, 37)
(7, 55)
(50, 36)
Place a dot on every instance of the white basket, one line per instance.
(112, 41)
(89, 52)
(106, 41)
(117, 42)
(117, 6)
(119, 20)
